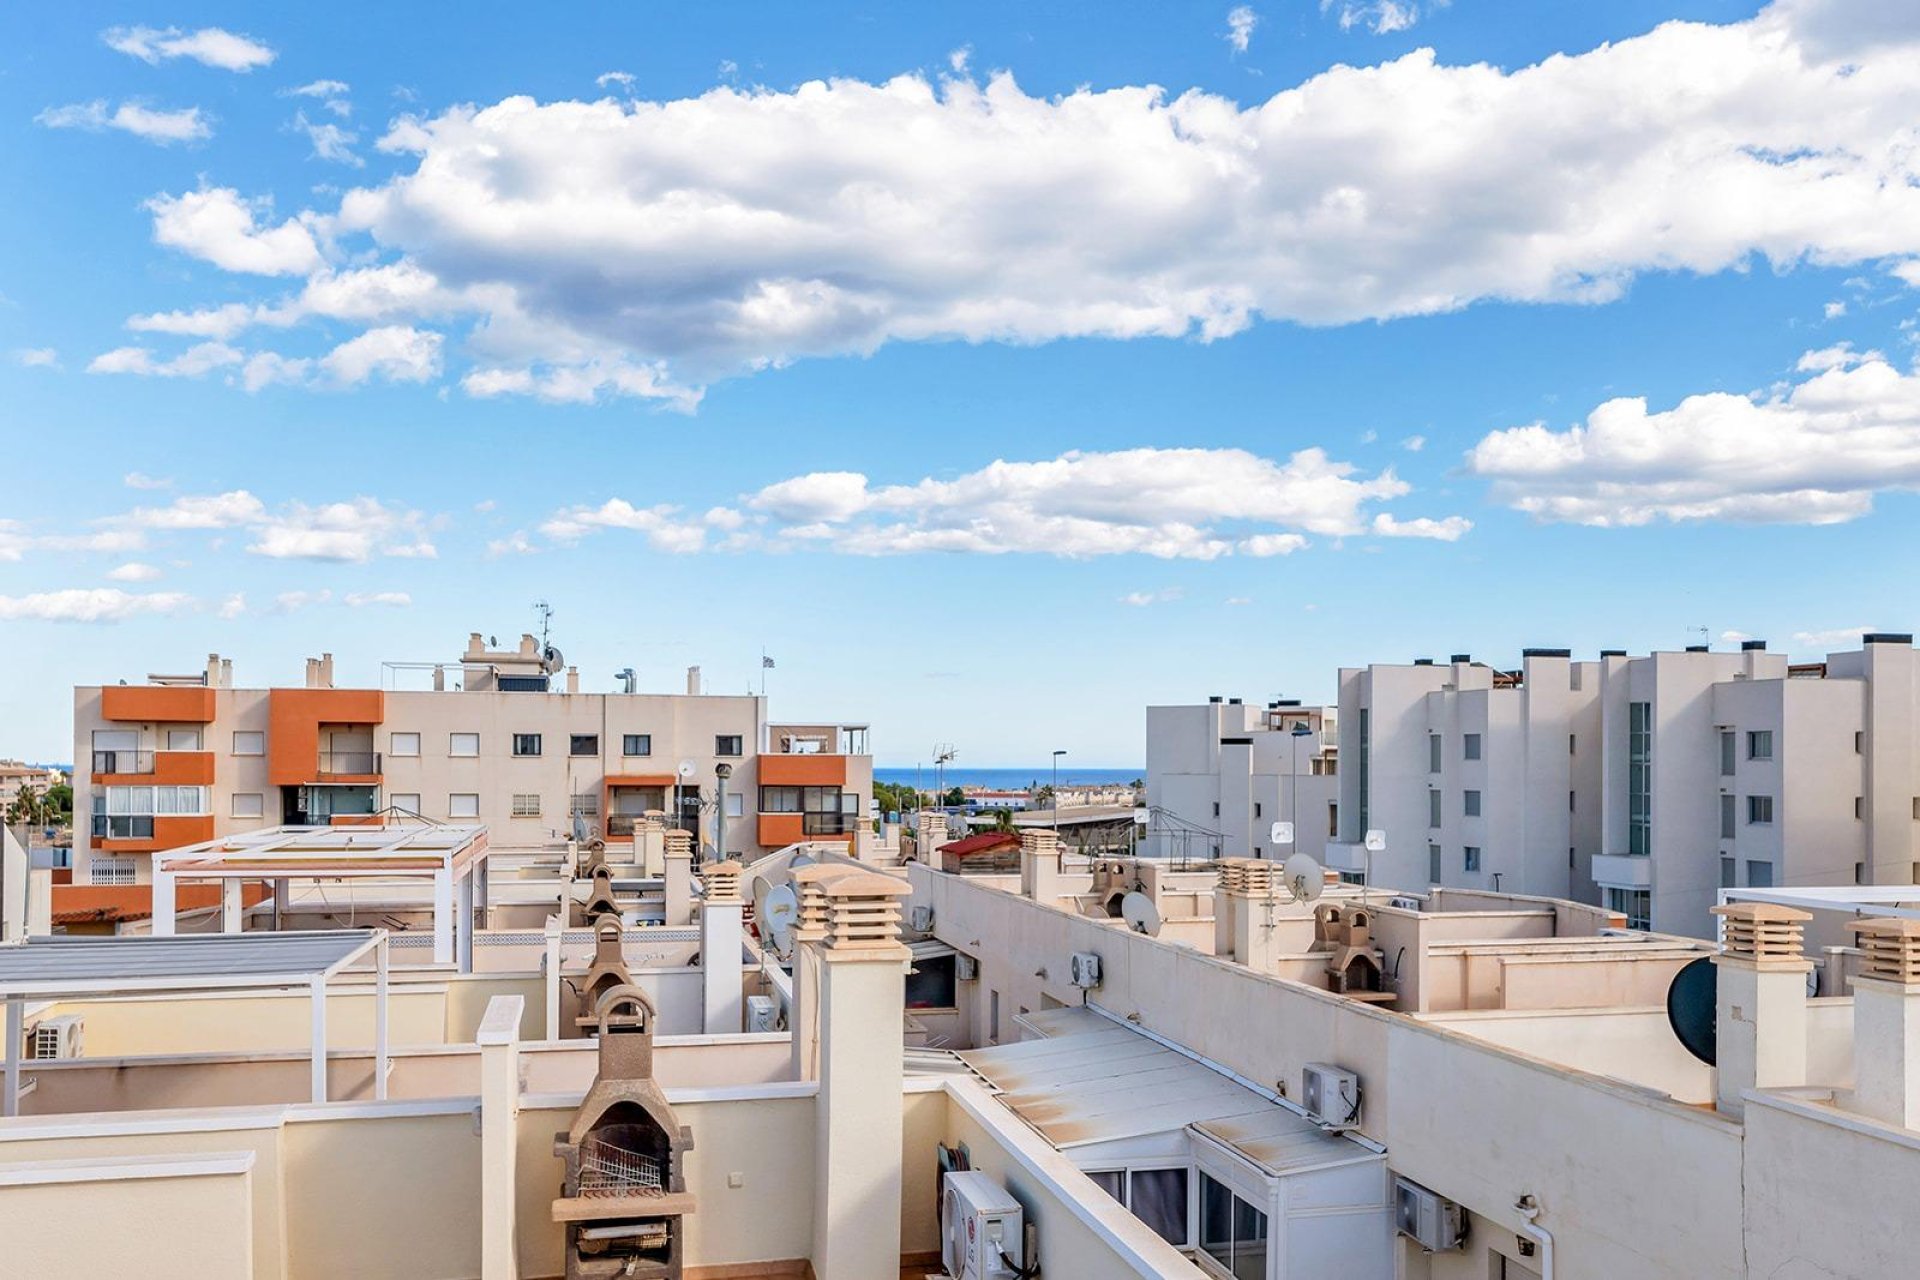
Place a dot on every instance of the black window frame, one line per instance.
(521, 739)
(627, 741)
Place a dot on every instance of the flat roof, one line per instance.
(300, 852)
(70, 966)
(1900, 900)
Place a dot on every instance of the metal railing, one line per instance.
(117, 826)
(123, 762)
(348, 763)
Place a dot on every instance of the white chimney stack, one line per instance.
(1761, 1015)
(693, 682)
(1886, 1023)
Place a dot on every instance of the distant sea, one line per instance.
(1006, 779)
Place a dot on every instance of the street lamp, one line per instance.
(1056, 793)
(722, 772)
(1300, 731)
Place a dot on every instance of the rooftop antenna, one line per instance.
(1702, 631)
(943, 754)
(545, 611)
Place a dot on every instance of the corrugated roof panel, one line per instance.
(79, 965)
(1279, 1141)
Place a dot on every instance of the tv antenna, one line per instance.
(943, 755)
(545, 611)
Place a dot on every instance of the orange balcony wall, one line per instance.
(294, 717)
(169, 832)
(802, 771)
(778, 830)
(170, 769)
(157, 703)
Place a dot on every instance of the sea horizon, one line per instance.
(1005, 777)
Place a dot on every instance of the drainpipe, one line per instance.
(1529, 1208)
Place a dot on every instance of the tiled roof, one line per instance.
(985, 842)
(116, 903)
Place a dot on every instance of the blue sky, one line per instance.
(996, 402)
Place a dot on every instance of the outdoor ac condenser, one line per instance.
(1436, 1223)
(762, 1014)
(1330, 1095)
(981, 1228)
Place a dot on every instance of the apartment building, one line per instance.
(1221, 774)
(503, 737)
(16, 776)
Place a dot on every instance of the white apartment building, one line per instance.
(1220, 774)
(503, 738)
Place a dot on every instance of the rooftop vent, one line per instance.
(1461, 657)
(1887, 637)
(1892, 950)
(1423, 662)
(1753, 646)
(1696, 648)
(722, 880)
(1613, 653)
(1762, 931)
(1546, 653)
(863, 912)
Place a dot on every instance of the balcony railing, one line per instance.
(338, 764)
(122, 826)
(830, 824)
(123, 762)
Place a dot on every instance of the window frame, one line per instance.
(720, 747)
(453, 810)
(395, 751)
(573, 746)
(627, 741)
(255, 735)
(260, 804)
(453, 740)
(520, 741)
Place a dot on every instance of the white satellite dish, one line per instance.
(1140, 817)
(1376, 841)
(1281, 833)
(801, 860)
(1305, 878)
(761, 888)
(1140, 914)
(687, 768)
(777, 919)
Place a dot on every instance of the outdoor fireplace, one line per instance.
(600, 900)
(625, 1189)
(1353, 968)
(608, 971)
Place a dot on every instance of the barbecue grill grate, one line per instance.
(607, 1170)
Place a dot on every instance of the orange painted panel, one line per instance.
(153, 703)
(803, 771)
(170, 769)
(294, 717)
(358, 820)
(780, 829)
(169, 832)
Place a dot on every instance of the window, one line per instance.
(636, 744)
(127, 813)
(1433, 808)
(526, 744)
(583, 744)
(250, 743)
(736, 805)
(1573, 744)
(1333, 819)
(1859, 740)
(1366, 781)
(463, 744)
(1471, 804)
(1859, 807)
(1433, 753)
(1729, 868)
(1640, 778)
(1727, 810)
(408, 744)
(727, 744)
(1726, 753)
(1470, 748)
(183, 739)
(1759, 810)
(1570, 800)
(1471, 857)
(110, 871)
(1216, 808)
(405, 801)
(1256, 808)
(1635, 904)
(1760, 744)
(526, 804)
(1232, 1232)
(824, 810)
(463, 804)
(1759, 875)
(1158, 1197)
(586, 805)
(930, 984)
(248, 804)
(1433, 864)
(1916, 808)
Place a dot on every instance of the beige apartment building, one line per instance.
(502, 738)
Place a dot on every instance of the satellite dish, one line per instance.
(687, 768)
(1140, 817)
(1140, 913)
(1281, 833)
(801, 860)
(1376, 841)
(1305, 878)
(1692, 1005)
(553, 660)
(777, 916)
(761, 888)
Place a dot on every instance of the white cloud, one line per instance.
(1141, 599)
(269, 368)
(394, 599)
(211, 46)
(216, 225)
(1263, 545)
(294, 601)
(1239, 600)
(1819, 641)
(234, 605)
(1450, 529)
(141, 480)
(665, 527)
(1834, 310)
(227, 510)
(219, 322)
(1382, 17)
(352, 531)
(514, 544)
(625, 79)
(97, 604)
(188, 124)
(15, 541)
(134, 571)
(330, 141)
(1813, 452)
(194, 362)
(1734, 637)
(394, 353)
(37, 358)
(331, 93)
(958, 59)
(1241, 20)
(1414, 444)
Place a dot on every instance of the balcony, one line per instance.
(830, 824)
(123, 762)
(115, 826)
(347, 764)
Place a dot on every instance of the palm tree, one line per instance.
(29, 808)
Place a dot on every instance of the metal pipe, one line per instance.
(1529, 1208)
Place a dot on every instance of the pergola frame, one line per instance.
(454, 858)
(62, 968)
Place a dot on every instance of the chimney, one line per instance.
(933, 834)
(1040, 865)
(809, 930)
(1886, 1023)
(1227, 876)
(439, 678)
(1761, 1018)
(693, 682)
(573, 679)
(313, 674)
(326, 671)
(476, 645)
(1751, 651)
(721, 961)
(1252, 885)
(863, 967)
(678, 856)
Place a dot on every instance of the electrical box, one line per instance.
(1428, 1218)
(1331, 1095)
(920, 918)
(762, 1014)
(982, 1228)
(1083, 970)
(965, 968)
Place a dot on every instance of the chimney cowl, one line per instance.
(1696, 648)
(1546, 653)
(1887, 637)
(1613, 653)
(1753, 646)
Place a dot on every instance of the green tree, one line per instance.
(60, 797)
(954, 798)
(29, 808)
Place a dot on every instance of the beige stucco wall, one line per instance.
(196, 1227)
(1858, 1173)
(222, 1022)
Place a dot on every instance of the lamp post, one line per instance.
(721, 772)
(1056, 793)
(1300, 731)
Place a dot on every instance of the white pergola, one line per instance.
(78, 968)
(454, 858)
(1897, 900)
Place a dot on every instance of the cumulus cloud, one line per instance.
(1820, 641)
(216, 225)
(134, 571)
(97, 604)
(1813, 452)
(1241, 20)
(1451, 529)
(330, 141)
(624, 79)
(16, 540)
(331, 93)
(1382, 17)
(188, 124)
(194, 362)
(141, 480)
(211, 46)
(37, 358)
(624, 247)
(392, 353)
(665, 526)
(354, 531)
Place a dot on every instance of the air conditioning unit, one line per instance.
(1405, 904)
(1331, 1095)
(920, 919)
(762, 1014)
(982, 1229)
(1084, 970)
(966, 968)
(1436, 1223)
(60, 1037)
